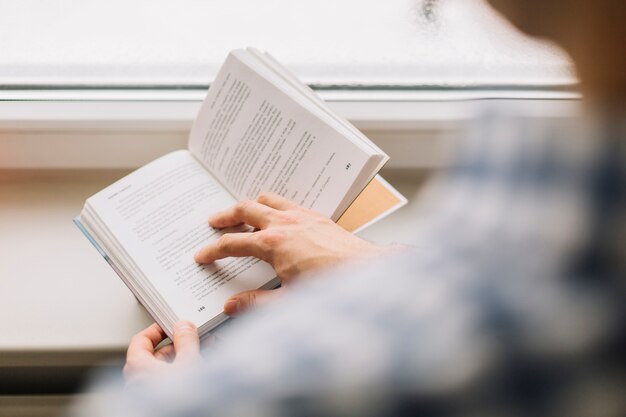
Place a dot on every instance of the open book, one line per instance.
(259, 129)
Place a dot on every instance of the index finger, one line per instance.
(231, 244)
(276, 201)
(145, 341)
(249, 212)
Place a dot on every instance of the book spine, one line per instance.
(82, 228)
(119, 273)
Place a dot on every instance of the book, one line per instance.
(258, 130)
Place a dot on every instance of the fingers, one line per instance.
(255, 213)
(245, 300)
(249, 212)
(144, 342)
(143, 361)
(276, 202)
(231, 244)
(166, 353)
(186, 341)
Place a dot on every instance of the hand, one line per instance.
(143, 362)
(291, 238)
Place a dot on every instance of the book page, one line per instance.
(159, 216)
(270, 61)
(254, 135)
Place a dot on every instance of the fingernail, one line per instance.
(184, 326)
(231, 306)
(196, 255)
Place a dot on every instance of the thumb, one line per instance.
(246, 300)
(186, 341)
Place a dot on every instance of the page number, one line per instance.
(201, 308)
(348, 166)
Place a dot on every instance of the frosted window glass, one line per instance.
(165, 43)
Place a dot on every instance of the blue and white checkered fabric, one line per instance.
(512, 305)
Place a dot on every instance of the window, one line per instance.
(168, 44)
(118, 82)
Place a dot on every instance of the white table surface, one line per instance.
(60, 302)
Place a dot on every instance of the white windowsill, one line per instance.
(121, 129)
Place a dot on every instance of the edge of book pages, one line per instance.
(216, 322)
(119, 273)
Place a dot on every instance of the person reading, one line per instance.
(515, 307)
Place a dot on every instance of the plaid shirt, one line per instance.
(511, 301)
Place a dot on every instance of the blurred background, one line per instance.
(347, 43)
(92, 89)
